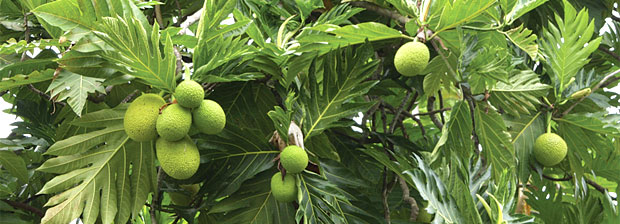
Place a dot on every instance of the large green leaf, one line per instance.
(459, 12)
(520, 95)
(433, 190)
(326, 37)
(101, 173)
(524, 131)
(332, 98)
(75, 88)
(253, 203)
(79, 17)
(242, 149)
(495, 140)
(14, 164)
(567, 46)
(515, 9)
(138, 53)
(525, 40)
(456, 133)
(19, 80)
(319, 200)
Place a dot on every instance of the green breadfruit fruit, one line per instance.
(549, 149)
(141, 117)
(283, 190)
(580, 93)
(294, 159)
(174, 122)
(185, 197)
(209, 117)
(411, 58)
(179, 159)
(189, 94)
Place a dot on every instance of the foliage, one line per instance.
(456, 140)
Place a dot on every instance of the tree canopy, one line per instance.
(456, 141)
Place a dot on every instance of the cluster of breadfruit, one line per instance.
(176, 151)
(293, 159)
(411, 58)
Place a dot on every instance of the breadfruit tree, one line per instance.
(310, 111)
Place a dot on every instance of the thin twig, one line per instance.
(160, 208)
(398, 112)
(440, 96)
(445, 59)
(611, 53)
(25, 207)
(156, 196)
(407, 198)
(189, 21)
(158, 16)
(45, 96)
(130, 96)
(381, 11)
(26, 33)
(430, 105)
(602, 83)
(180, 13)
(384, 197)
(568, 177)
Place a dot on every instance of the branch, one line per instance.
(565, 178)
(384, 196)
(398, 112)
(189, 21)
(407, 198)
(596, 186)
(430, 105)
(381, 11)
(603, 83)
(45, 96)
(25, 207)
(26, 33)
(156, 197)
(158, 16)
(611, 53)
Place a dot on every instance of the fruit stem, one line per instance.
(549, 114)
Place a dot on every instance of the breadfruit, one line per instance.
(283, 190)
(549, 149)
(294, 159)
(141, 117)
(209, 117)
(174, 122)
(184, 197)
(411, 58)
(189, 94)
(179, 159)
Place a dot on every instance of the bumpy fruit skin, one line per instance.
(174, 122)
(411, 58)
(183, 198)
(283, 190)
(549, 149)
(294, 159)
(179, 159)
(141, 117)
(209, 117)
(189, 94)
